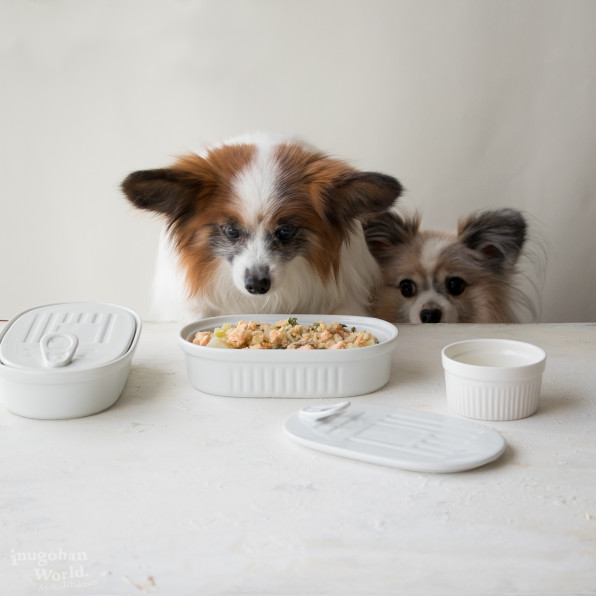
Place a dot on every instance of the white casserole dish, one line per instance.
(41, 378)
(289, 373)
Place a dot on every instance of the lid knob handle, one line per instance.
(58, 349)
(319, 412)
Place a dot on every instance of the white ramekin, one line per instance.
(289, 373)
(493, 379)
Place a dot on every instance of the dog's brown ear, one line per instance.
(497, 236)
(358, 193)
(168, 191)
(384, 231)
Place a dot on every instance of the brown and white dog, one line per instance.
(440, 277)
(262, 224)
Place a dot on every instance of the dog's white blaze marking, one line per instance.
(255, 185)
(431, 253)
(430, 256)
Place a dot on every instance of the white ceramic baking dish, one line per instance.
(66, 360)
(289, 373)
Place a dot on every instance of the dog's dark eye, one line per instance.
(285, 232)
(407, 288)
(455, 285)
(231, 232)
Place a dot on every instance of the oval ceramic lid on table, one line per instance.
(68, 336)
(408, 439)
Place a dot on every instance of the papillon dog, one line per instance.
(440, 277)
(262, 224)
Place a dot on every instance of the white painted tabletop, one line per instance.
(179, 493)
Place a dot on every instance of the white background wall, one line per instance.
(470, 103)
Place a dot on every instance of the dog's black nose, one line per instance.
(257, 285)
(431, 315)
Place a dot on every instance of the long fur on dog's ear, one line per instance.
(168, 191)
(385, 230)
(497, 236)
(359, 193)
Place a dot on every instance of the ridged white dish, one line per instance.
(289, 373)
(493, 379)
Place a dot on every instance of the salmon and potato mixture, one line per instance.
(287, 334)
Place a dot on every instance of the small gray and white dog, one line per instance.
(440, 277)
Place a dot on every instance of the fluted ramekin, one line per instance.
(493, 379)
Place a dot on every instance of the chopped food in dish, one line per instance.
(287, 334)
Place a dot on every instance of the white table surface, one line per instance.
(175, 492)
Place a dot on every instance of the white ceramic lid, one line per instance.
(398, 437)
(68, 336)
